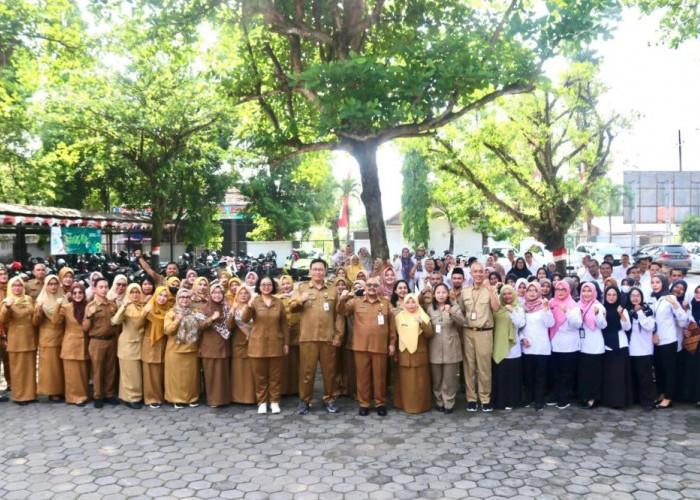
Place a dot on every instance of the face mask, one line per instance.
(173, 290)
(625, 289)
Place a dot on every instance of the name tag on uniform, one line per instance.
(326, 306)
(380, 319)
(473, 316)
(438, 328)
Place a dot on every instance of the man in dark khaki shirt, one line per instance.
(33, 287)
(170, 270)
(102, 345)
(374, 338)
(478, 303)
(319, 335)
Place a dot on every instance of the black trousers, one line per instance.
(642, 372)
(535, 377)
(564, 366)
(665, 369)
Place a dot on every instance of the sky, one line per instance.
(653, 86)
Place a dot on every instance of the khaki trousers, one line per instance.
(267, 373)
(371, 377)
(103, 355)
(310, 353)
(445, 377)
(478, 349)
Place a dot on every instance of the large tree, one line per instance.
(315, 75)
(415, 199)
(539, 157)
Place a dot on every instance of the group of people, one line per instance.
(514, 338)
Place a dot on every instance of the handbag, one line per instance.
(690, 343)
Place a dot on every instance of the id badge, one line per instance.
(326, 306)
(438, 328)
(380, 319)
(473, 316)
(582, 333)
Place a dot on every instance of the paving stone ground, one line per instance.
(57, 451)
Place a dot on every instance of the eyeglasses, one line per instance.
(559, 289)
(265, 284)
(77, 292)
(372, 285)
(121, 285)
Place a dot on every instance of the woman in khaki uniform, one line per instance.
(131, 316)
(50, 339)
(268, 344)
(74, 348)
(66, 276)
(181, 362)
(17, 312)
(215, 348)
(4, 356)
(232, 290)
(200, 291)
(445, 348)
(290, 371)
(412, 389)
(153, 348)
(242, 381)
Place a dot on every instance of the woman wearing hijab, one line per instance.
(74, 348)
(668, 315)
(153, 348)
(4, 356)
(520, 289)
(691, 379)
(365, 258)
(511, 279)
(640, 325)
(590, 365)
(148, 286)
(345, 375)
(546, 287)
(18, 314)
(507, 352)
(565, 340)
(200, 293)
(534, 338)
(130, 316)
(173, 285)
(268, 344)
(683, 359)
(520, 268)
(181, 363)
(231, 290)
(404, 265)
(50, 339)
(90, 292)
(117, 293)
(354, 268)
(388, 279)
(290, 380)
(250, 280)
(625, 286)
(617, 375)
(66, 276)
(412, 386)
(190, 277)
(215, 347)
(242, 379)
(445, 348)
(541, 273)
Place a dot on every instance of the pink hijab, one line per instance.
(588, 307)
(555, 306)
(536, 304)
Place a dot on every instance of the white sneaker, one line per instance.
(275, 408)
(262, 409)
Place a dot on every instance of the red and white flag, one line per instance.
(343, 215)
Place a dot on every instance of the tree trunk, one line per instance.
(484, 240)
(347, 237)
(366, 155)
(554, 240)
(335, 234)
(609, 227)
(452, 239)
(157, 223)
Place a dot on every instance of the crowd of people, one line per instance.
(513, 334)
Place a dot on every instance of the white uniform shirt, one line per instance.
(640, 338)
(536, 330)
(592, 341)
(567, 338)
(518, 319)
(668, 320)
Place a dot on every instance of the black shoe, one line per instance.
(331, 407)
(303, 408)
(448, 411)
(539, 407)
(486, 407)
(112, 401)
(563, 406)
(23, 403)
(440, 408)
(471, 406)
(363, 411)
(649, 408)
(134, 406)
(80, 404)
(527, 404)
(381, 411)
(4, 399)
(98, 403)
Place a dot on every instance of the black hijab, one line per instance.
(665, 290)
(520, 273)
(695, 307)
(610, 332)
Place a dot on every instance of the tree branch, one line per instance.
(283, 26)
(508, 161)
(497, 34)
(300, 148)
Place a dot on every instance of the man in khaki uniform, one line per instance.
(478, 303)
(33, 287)
(374, 338)
(170, 270)
(319, 335)
(102, 346)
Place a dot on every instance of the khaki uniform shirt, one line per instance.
(368, 334)
(446, 346)
(131, 318)
(318, 317)
(479, 302)
(75, 340)
(21, 322)
(101, 323)
(270, 331)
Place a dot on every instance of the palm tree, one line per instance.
(351, 188)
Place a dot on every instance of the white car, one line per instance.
(599, 250)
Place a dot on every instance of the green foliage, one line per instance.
(415, 199)
(289, 197)
(690, 229)
(606, 198)
(680, 21)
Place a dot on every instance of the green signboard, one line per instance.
(73, 240)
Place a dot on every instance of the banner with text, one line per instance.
(75, 240)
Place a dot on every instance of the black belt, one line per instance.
(103, 337)
(480, 329)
